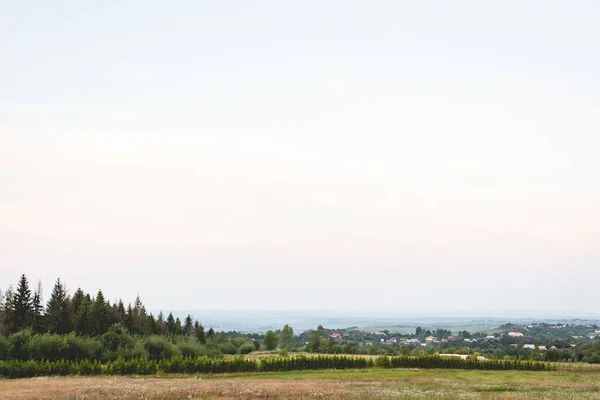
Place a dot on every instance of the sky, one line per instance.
(430, 156)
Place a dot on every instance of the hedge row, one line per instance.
(298, 363)
(188, 365)
(434, 361)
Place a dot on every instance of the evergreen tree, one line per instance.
(145, 328)
(121, 313)
(128, 320)
(139, 316)
(99, 314)
(114, 311)
(178, 327)
(83, 323)
(171, 325)
(57, 310)
(270, 340)
(210, 334)
(188, 325)
(38, 311)
(7, 311)
(1, 311)
(286, 339)
(152, 325)
(199, 332)
(22, 306)
(76, 301)
(160, 321)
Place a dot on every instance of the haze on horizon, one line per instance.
(420, 156)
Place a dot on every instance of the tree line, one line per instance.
(81, 326)
(84, 314)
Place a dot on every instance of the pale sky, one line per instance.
(410, 155)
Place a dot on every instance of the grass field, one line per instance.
(349, 384)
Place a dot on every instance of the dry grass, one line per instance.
(347, 385)
(160, 388)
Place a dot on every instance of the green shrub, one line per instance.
(4, 346)
(117, 338)
(383, 362)
(47, 347)
(160, 347)
(227, 348)
(18, 345)
(592, 358)
(87, 367)
(246, 348)
(79, 348)
(191, 349)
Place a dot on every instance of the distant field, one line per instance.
(350, 384)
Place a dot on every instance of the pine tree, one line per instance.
(76, 301)
(121, 313)
(22, 306)
(114, 311)
(57, 310)
(160, 321)
(188, 325)
(145, 328)
(178, 328)
(136, 315)
(128, 320)
(38, 311)
(99, 314)
(171, 325)
(7, 311)
(1, 311)
(199, 331)
(151, 325)
(210, 334)
(83, 323)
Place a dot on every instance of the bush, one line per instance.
(592, 358)
(159, 347)
(47, 347)
(227, 348)
(80, 348)
(18, 345)
(117, 338)
(136, 352)
(383, 362)
(191, 349)
(246, 348)
(4, 346)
